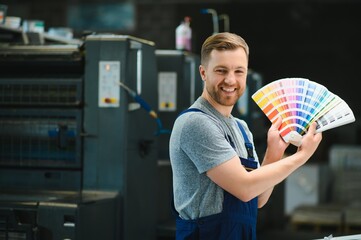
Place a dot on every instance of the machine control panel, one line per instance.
(109, 77)
(167, 91)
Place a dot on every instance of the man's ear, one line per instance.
(202, 72)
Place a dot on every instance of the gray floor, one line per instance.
(282, 235)
(278, 234)
(291, 235)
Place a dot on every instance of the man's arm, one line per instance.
(232, 177)
(275, 151)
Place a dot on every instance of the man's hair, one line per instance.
(221, 42)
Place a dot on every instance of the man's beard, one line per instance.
(225, 101)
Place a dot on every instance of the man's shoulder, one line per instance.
(197, 118)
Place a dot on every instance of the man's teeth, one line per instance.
(228, 89)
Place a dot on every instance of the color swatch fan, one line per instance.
(300, 102)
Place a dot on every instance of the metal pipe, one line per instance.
(214, 18)
(225, 19)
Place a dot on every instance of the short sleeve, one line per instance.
(205, 143)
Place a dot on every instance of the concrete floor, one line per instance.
(287, 233)
(291, 235)
(281, 235)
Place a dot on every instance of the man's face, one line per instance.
(225, 76)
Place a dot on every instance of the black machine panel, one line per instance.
(58, 215)
(41, 94)
(68, 128)
(120, 147)
(60, 92)
(44, 138)
(41, 149)
(179, 85)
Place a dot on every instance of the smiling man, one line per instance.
(218, 182)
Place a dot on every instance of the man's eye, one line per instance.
(221, 71)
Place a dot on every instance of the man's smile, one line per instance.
(228, 89)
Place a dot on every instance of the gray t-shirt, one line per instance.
(197, 144)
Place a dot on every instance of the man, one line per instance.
(218, 183)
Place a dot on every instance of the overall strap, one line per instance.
(247, 142)
(191, 110)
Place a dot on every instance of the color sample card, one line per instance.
(300, 102)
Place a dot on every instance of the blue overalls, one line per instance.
(237, 220)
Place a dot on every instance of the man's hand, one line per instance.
(276, 146)
(310, 141)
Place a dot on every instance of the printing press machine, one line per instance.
(58, 215)
(78, 154)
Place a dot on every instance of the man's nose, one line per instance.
(230, 78)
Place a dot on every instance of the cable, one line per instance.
(145, 105)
